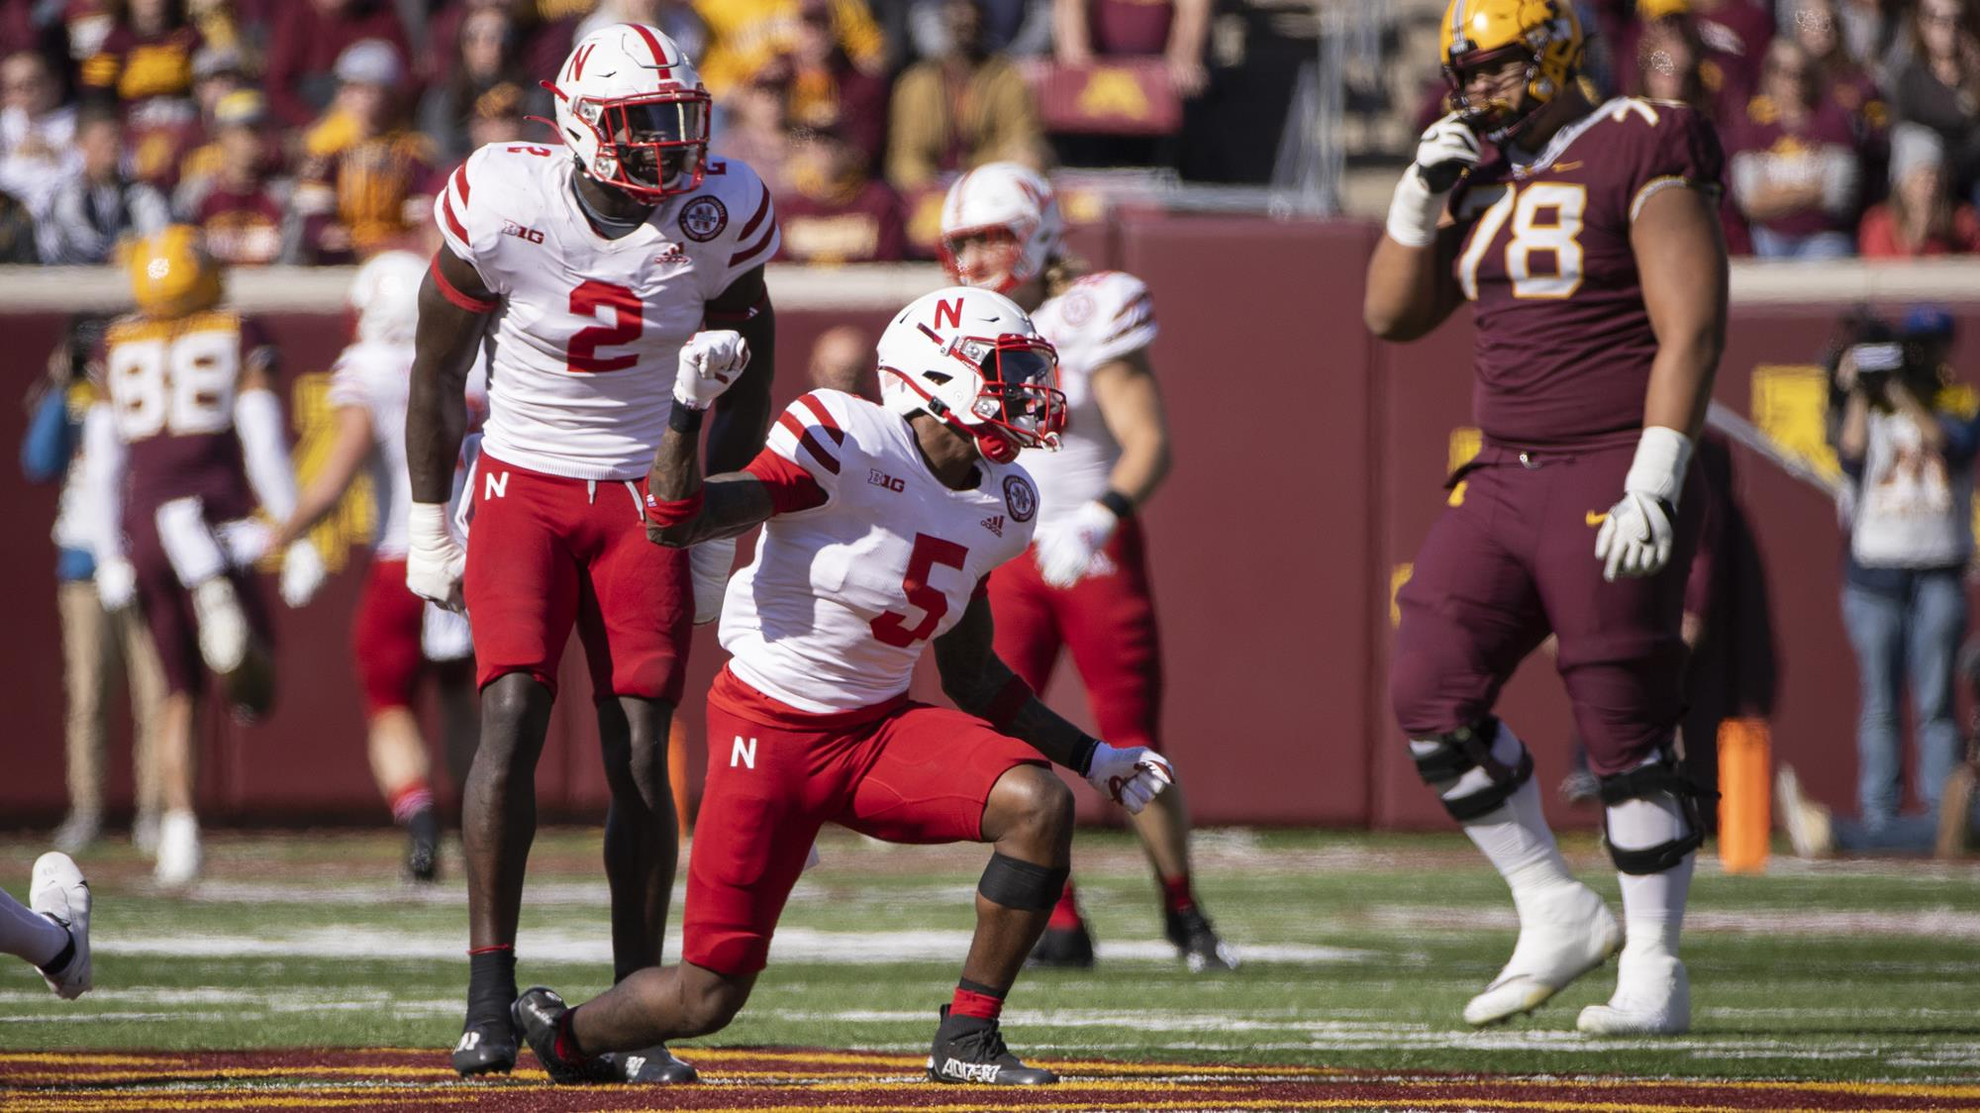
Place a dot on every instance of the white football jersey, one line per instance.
(839, 600)
(378, 377)
(581, 371)
(1101, 318)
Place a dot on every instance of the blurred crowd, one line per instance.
(316, 131)
(1851, 127)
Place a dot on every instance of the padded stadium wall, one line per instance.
(1309, 463)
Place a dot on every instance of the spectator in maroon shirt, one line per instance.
(825, 91)
(236, 206)
(1725, 76)
(833, 211)
(1921, 217)
(307, 40)
(1670, 66)
(1795, 172)
(1844, 80)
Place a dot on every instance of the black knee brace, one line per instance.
(1664, 778)
(1465, 749)
(1022, 885)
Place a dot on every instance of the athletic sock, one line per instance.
(1065, 914)
(491, 982)
(411, 800)
(33, 936)
(1177, 894)
(1514, 836)
(974, 999)
(1653, 903)
(566, 1047)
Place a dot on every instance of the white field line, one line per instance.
(793, 944)
(1936, 923)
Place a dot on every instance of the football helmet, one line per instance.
(1011, 202)
(632, 108)
(171, 273)
(972, 359)
(385, 297)
(1481, 32)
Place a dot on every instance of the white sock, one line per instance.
(1514, 836)
(1653, 903)
(28, 933)
(188, 543)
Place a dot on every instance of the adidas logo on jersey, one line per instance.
(994, 523)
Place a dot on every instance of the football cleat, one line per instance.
(423, 846)
(144, 832)
(536, 1014)
(179, 853)
(654, 1066)
(223, 626)
(59, 892)
(1197, 943)
(1568, 933)
(971, 1050)
(1653, 998)
(1063, 949)
(486, 1047)
(77, 832)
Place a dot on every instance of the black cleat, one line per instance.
(423, 846)
(536, 1013)
(1197, 943)
(968, 1049)
(654, 1066)
(1063, 949)
(486, 1047)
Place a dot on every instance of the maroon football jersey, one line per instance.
(1564, 341)
(171, 386)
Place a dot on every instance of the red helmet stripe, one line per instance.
(653, 44)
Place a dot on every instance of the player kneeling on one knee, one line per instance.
(880, 526)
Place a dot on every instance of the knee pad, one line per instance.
(1463, 750)
(1648, 782)
(1022, 885)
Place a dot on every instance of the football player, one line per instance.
(1590, 245)
(579, 272)
(880, 523)
(51, 931)
(396, 635)
(184, 445)
(1084, 586)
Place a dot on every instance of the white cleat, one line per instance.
(178, 850)
(1564, 936)
(223, 626)
(59, 892)
(1653, 998)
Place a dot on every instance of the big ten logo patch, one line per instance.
(1791, 406)
(355, 518)
(877, 478)
(1465, 442)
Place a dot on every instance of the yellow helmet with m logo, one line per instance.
(171, 273)
(1481, 32)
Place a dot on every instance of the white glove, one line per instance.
(302, 573)
(435, 561)
(1445, 152)
(1066, 551)
(710, 363)
(116, 583)
(1130, 776)
(711, 562)
(1635, 539)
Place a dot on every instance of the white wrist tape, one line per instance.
(426, 526)
(258, 420)
(1414, 211)
(1661, 459)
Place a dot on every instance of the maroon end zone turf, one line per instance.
(401, 1080)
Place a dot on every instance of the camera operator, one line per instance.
(1908, 511)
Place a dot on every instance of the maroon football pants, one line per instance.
(1513, 560)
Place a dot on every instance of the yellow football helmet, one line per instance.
(171, 273)
(1479, 32)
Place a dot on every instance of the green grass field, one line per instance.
(1360, 950)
